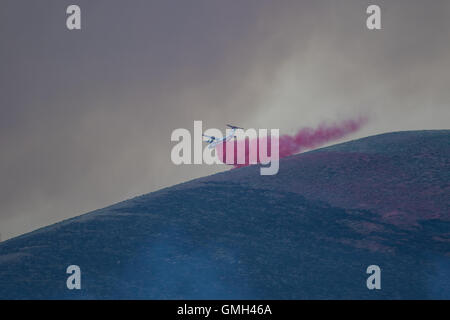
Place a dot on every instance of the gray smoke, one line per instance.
(83, 111)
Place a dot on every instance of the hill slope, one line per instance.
(309, 232)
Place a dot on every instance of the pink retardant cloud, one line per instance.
(305, 138)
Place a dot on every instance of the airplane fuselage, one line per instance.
(216, 142)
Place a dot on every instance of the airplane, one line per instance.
(213, 141)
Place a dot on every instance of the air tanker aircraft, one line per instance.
(213, 141)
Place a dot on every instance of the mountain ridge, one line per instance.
(308, 232)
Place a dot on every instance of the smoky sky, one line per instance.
(86, 116)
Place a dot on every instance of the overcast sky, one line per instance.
(86, 116)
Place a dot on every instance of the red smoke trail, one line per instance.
(306, 138)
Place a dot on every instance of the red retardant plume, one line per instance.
(305, 138)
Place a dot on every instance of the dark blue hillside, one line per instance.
(237, 235)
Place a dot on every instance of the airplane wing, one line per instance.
(234, 127)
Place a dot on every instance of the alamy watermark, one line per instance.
(237, 147)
